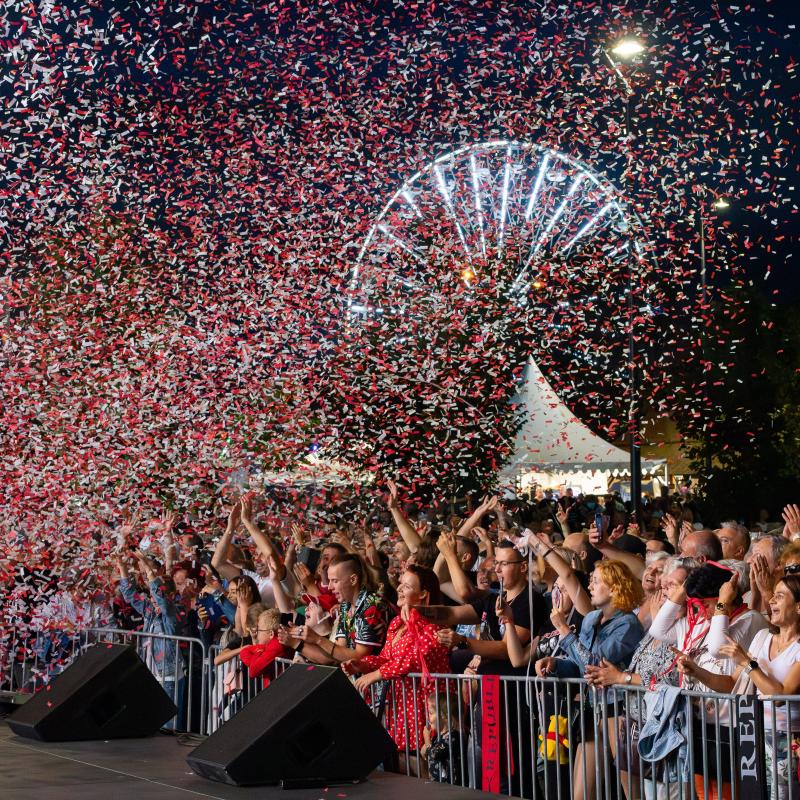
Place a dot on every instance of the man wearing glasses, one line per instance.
(511, 568)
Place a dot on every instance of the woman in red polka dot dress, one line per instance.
(411, 646)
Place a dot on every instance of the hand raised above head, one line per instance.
(729, 590)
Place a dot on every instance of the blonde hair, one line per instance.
(791, 554)
(626, 591)
(269, 620)
(253, 613)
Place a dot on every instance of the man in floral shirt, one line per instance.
(361, 628)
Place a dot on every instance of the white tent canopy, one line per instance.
(554, 447)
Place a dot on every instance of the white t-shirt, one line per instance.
(778, 669)
(264, 583)
(704, 649)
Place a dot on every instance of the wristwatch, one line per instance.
(751, 665)
(628, 677)
(721, 607)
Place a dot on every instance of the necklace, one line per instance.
(781, 646)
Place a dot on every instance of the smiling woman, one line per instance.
(411, 646)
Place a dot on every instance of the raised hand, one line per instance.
(670, 526)
(286, 639)
(599, 538)
(761, 575)
(341, 538)
(446, 543)
(791, 516)
(167, 521)
(392, 501)
(489, 504)
(306, 633)
(244, 595)
(678, 595)
(234, 516)
(211, 584)
(616, 533)
(558, 618)
(246, 505)
(303, 575)
(686, 529)
(298, 535)
(729, 591)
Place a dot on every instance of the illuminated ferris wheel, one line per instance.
(513, 229)
(504, 209)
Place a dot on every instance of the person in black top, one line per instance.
(512, 572)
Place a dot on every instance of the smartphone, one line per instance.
(212, 608)
(309, 557)
(287, 619)
(299, 619)
(598, 522)
(555, 596)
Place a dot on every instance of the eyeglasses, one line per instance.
(791, 569)
(501, 564)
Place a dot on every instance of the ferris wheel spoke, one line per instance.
(476, 189)
(599, 221)
(574, 219)
(448, 202)
(545, 234)
(504, 203)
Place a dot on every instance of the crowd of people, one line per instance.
(566, 587)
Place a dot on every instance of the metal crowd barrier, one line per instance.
(553, 738)
(179, 664)
(519, 736)
(29, 660)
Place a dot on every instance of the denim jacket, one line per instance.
(615, 640)
(662, 736)
(160, 616)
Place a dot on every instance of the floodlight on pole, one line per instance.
(627, 48)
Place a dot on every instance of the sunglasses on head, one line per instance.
(791, 569)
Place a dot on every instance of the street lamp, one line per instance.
(626, 49)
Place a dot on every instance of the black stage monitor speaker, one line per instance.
(107, 693)
(309, 724)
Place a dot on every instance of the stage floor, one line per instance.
(155, 769)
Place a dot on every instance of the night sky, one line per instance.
(186, 190)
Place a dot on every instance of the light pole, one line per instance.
(719, 205)
(626, 49)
